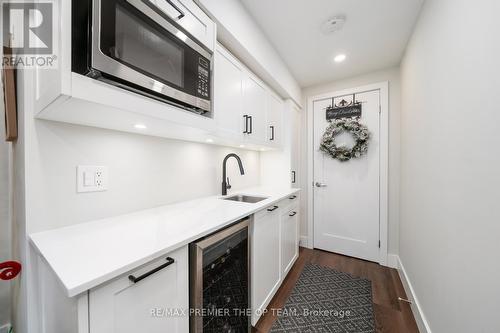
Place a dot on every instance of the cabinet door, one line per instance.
(295, 146)
(123, 306)
(265, 259)
(228, 93)
(289, 240)
(45, 94)
(275, 110)
(188, 15)
(254, 106)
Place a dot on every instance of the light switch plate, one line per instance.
(91, 178)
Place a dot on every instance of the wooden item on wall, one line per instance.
(9, 96)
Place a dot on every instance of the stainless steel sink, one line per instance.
(244, 198)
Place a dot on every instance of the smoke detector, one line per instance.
(332, 25)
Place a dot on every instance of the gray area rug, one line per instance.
(326, 300)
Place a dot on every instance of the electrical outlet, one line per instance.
(91, 178)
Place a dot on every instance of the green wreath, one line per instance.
(360, 133)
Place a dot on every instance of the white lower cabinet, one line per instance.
(274, 250)
(289, 239)
(123, 306)
(265, 259)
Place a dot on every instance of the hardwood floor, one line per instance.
(391, 315)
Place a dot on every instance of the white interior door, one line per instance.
(346, 206)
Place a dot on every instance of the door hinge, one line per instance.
(380, 109)
(379, 244)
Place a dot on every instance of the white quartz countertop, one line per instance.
(85, 255)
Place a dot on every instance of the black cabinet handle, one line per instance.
(294, 180)
(293, 197)
(246, 124)
(134, 279)
(272, 209)
(181, 13)
(251, 125)
(292, 214)
(272, 133)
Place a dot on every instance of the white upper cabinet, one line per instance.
(254, 109)
(275, 109)
(62, 95)
(295, 146)
(244, 111)
(189, 16)
(228, 94)
(244, 106)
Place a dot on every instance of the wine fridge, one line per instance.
(220, 283)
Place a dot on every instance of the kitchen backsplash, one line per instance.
(144, 172)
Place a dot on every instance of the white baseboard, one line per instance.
(5, 328)
(416, 308)
(393, 261)
(304, 241)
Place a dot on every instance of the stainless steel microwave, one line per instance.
(135, 45)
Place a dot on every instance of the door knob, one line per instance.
(320, 185)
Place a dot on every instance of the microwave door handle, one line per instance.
(141, 5)
(181, 13)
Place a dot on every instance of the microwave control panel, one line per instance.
(204, 78)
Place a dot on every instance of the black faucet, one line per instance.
(225, 181)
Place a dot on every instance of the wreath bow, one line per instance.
(360, 133)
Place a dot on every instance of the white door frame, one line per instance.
(383, 87)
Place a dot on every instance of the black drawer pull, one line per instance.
(134, 279)
(272, 209)
(272, 133)
(293, 197)
(292, 214)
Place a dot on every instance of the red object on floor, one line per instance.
(9, 270)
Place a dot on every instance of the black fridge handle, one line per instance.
(134, 279)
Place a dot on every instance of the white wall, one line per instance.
(450, 182)
(393, 76)
(5, 219)
(144, 172)
(237, 30)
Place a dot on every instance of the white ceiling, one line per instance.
(374, 37)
